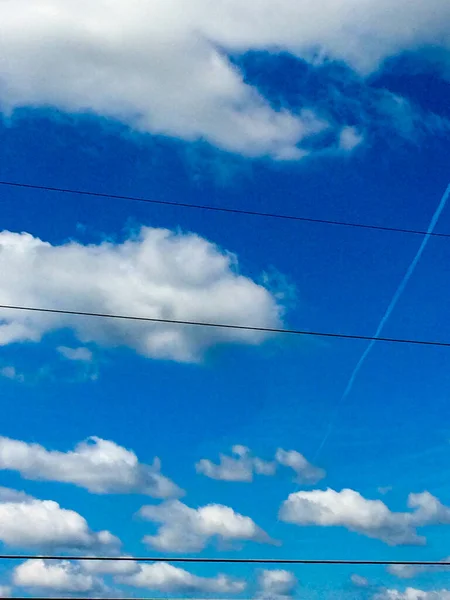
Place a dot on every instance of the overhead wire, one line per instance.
(192, 559)
(219, 209)
(274, 330)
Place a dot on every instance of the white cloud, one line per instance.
(156, 273)
(27, 522)
(76, 354)
(359, 580)
(100, 466)
(276, 583)
(10, 372)
(368, 517)
(185, 529)
(61, 576)
(167, 578)
(243, 466)
(306, 472)
(410, 571)
(5, 591)
(349, 138)
(240, 467)
(162, 66)
(413, 594)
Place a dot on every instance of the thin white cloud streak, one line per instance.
(100, 466)
(393, 303)
(371, 518)
(26, 522)
(155, 273)
(185, 529)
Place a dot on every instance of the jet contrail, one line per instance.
(395, 298)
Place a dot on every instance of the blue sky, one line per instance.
(342, 118)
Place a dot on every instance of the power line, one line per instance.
(190, 559)
(326, 334)
(220, 209)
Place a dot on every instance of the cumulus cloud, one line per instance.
(163, 66)
(27, 522)
(410, 571)
(167, 578)
(62, 576)
(413, 594)
(155, 273)
(100, 466)
(185, 529)
(5, 591)
(276, 583)
(368, 517)
(240, 467)
(305, 471)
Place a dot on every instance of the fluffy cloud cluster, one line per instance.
(100, 466)
(240, 467)
(413, 594)
(163, 66)
(167, 578)
(276, 583)
(185, 529)
(156, 274)
(26, 522)
(5, 591)
(63, 576)
(368, 517)
(243, 466)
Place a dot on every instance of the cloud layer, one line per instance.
(163, 66)
(371, 518)
(156, 274)
(100, 466)
(26, 522)
(413, 594)
(185, 529)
